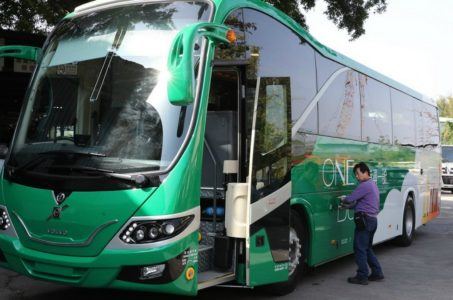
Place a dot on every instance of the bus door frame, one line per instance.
(268, 212)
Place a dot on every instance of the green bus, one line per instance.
(171, 146)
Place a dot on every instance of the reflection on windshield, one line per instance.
(101, 88)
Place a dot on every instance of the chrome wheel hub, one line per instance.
(295, 247)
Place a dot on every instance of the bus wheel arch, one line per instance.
(298, 243)
(408, 225)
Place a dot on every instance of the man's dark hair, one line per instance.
(363, 168)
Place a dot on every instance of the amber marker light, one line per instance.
(231, 36)
(190, 273)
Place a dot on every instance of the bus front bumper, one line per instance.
(120, 269)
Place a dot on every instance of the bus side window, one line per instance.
(427, 125)
(339, 106)
(376, 111)
(404, 122)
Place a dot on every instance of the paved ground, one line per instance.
(422, 271)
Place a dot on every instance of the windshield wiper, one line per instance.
(67, 152)
(43, 155)
(139, 180)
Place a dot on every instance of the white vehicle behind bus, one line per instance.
(447, 168)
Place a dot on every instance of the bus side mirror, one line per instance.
(22, 52)
(181, 84)
(3, 151)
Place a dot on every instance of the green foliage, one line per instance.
(34, 16)
(39, 16)
(447, 134)
(346, 14)
(445, 105)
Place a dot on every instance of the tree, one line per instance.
(346, 14)
(447, 134)
(39, 16)
(445, 105)
(34, 16)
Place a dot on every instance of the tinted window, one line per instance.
(404, 124)
(431, 125)
(274, 69)
(278, 81)
(276, 96)
(265, 37)
(376, 110)
(299, 55)
(325, 68)
(304, 92)
(427, 124)
(339, 106)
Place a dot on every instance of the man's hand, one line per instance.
(345, 205)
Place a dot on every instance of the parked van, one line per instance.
(447, 168)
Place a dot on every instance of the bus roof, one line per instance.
(224, 7)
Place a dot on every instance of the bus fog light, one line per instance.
(152, 272)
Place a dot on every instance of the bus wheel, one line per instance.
(406, 238)
(295, 251)
(298, 238)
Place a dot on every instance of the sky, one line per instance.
(411, 42)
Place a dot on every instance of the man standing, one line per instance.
(365, 201)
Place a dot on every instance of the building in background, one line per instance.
(15, 75)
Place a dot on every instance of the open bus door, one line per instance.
(20, 52)
(269, 178)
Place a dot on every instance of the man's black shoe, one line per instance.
(356, 280)
(373, 277)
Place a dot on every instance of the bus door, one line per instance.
(222, 158)
(269, 178)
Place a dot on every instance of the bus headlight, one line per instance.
(150, 231)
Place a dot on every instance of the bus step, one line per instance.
(212, 278)
(205, 257)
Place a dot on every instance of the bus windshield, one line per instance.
(447, 154)
(101, 87)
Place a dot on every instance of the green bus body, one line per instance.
(86, 237)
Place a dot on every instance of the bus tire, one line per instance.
(297, 256)
(406, 238)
